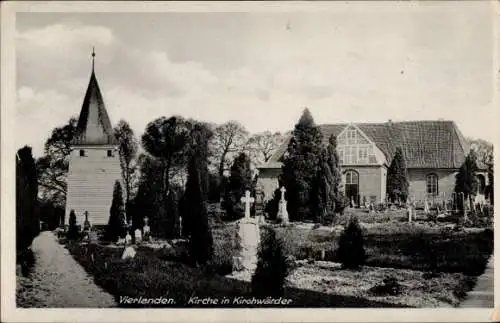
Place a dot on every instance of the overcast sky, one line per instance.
(395, 61)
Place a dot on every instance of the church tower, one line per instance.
(94, 164)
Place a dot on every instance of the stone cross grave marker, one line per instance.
(282, 211)
(247, 199)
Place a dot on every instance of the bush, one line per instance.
(389, 287)
(72, 228)
(351, 252)
(272, 269)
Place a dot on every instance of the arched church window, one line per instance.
(432, 185)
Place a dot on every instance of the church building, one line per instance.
(94, 164)
(433, 150)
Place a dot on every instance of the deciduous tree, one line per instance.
(53, 166)
(128, 150)
(228, 139)
(262, 146)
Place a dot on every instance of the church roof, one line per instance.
(425, 144)
(94, 126)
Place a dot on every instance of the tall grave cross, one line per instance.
(247, 199)
(283, 190)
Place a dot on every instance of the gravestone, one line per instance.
(247, 199)
(259, 203)
(282, 211)
(410, 211)
(248, 233)
(426, 207)
(128, 253)
(371, 208)
(93, 237)
(128, 239)
(138, 235)
(86, 223)
(146, 230)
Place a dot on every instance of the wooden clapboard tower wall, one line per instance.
(94, 162)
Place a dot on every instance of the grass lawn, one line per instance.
(434, 266)
(148, 276)
(418, 289)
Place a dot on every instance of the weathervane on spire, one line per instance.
(93, 57)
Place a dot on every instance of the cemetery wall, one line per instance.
(418, 182)
(90, 184)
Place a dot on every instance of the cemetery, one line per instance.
(186, 219)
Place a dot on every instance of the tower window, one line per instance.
(110, 153)
(82, 153)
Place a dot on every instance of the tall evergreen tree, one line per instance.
(240, 180)
(27, 208)
(466, 180)
(194, 208)
(300, 166)
(72, 229)
(330, 197)
(397, 178)
(116, 225)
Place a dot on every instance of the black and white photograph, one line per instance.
(280, 155)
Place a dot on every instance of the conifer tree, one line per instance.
(272, 269)
(330, 197)
(351, 252)
(27, 208)
(116, 225)
(466, 180)
(240, 180)
(195, 199)
(72, 229)
(300, 166)
(397, 178)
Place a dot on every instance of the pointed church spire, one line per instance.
(93, 58)
(94, 126)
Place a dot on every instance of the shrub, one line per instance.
(72, 229)
(272, 269)
(351, 252)
(389, 286)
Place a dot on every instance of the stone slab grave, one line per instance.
(247, 229)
